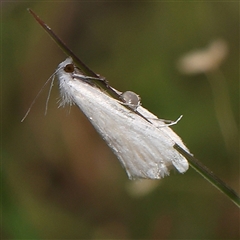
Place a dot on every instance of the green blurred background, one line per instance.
(59, 179)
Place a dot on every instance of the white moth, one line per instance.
(144, 147)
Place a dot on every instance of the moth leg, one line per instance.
(168, 122)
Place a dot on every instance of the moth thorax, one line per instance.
(131, 99)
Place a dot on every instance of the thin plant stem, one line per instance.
(209, 176)
(223, 109)
(84, 68)
(195, 164)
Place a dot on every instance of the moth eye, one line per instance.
(69, 68)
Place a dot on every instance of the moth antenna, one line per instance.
(34, 100)
(49, 93)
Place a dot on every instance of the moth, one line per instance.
(142, 142)
(145, 145)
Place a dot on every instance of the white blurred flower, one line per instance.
(204, 60)
(141, 188)
(208, 61)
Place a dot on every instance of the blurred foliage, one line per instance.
(59, 179)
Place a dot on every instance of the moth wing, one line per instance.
(145, 150)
